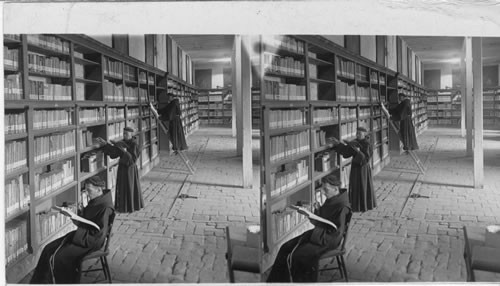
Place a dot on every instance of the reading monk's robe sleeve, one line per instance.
(89, 237)
(345, 150)
(112, 151)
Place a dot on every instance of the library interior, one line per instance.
(237, 139)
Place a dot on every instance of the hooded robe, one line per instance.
(128, 187)
(76, 244)
(313, 243)
(402, 113)
(361, 191)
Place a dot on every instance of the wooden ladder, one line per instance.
(181, 153)
(414, 156)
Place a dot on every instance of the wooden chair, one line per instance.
(337, 254)
(241, 258)
(101, 254)
(477, 255)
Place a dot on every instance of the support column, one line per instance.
(237, 95)
(468, 93)
(233, 90)
(462, 90)
(477, 55)
(246, 114)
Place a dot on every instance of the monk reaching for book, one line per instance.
(59, 260)
(296, 258)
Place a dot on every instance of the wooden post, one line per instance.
(246, 114)
(233, 90)
(462, 90)
(477, 54)
(237, 95)
(468, 93)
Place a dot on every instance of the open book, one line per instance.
(73, 216)
(310, 215)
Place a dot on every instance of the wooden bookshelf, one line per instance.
(312, 89)
(188, 99)
(215, 106)
(61, 92)
(444, 107)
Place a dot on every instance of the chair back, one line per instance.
(110, 227)
(346, 229)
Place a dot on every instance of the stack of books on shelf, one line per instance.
(284, 43)
(92, 162)
(53, 146)
(346, 92)
(43, 64)
(12, 87)
(92, 115)
(16, 240)
(112, 91)
(129, 73)
(17, 194)
(112, 68)
(288, 176)
(325, 115)
(286, 118)
(347, 113)
(285, 146)
(49, 42)
(43, 119)
(51, 221)
(345, 68)
(116, 113)
(15, 155)
(284, 221)
(15, 123)
(115, 131)
(276, 89)
(10, 58)
(283, 65)
(59, 175)
(41, 90)
(131, 94)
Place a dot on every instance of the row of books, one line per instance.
(319, 138)
(15, 122)
(16, 240)
(143, 79)
(40, 90)
(346, 92)
(86, 138)
(131, 94)
(145, 125)
(113, 68)
(364, 113)
(116, 113)
(283, 65)
(345, 68)
(43, 119)
(282, 118)
(284, 221)
(325, 115)
(132, 112)
(285, 146)
(59, 175)
(115, 131)
(15, 155)
(79, 71)
(288, 176)
(361, 73)
(10, 58)
(112, 91)
(146, 111)
(284, 42)
(325, 161)
(348, 130)
(48, 65)
(17, 194)
(92, 161)
(12, 87)
(143, 94)
(49, 42)
(51, 221)
(363, 94)
(90, 115)
(129, 73)
(347, 113)
(275, 89)
(54, 145)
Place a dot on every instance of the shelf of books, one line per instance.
(188, 99)
(61, 93)
(417, 94)
(444, 107)
(312, 90)
(215, 106)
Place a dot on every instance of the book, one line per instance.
(67, 212)
(310, 215)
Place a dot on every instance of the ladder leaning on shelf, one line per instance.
(396, 129)
(183, 156)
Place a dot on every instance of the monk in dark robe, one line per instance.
(361, 191)
(304, 250)
(403, 113)
(128, 187)
(59, 260)
(171, 116)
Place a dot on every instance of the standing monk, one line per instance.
(128, 187)
(402, 113)
(361, 192)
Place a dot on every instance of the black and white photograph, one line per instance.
(251, 142)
